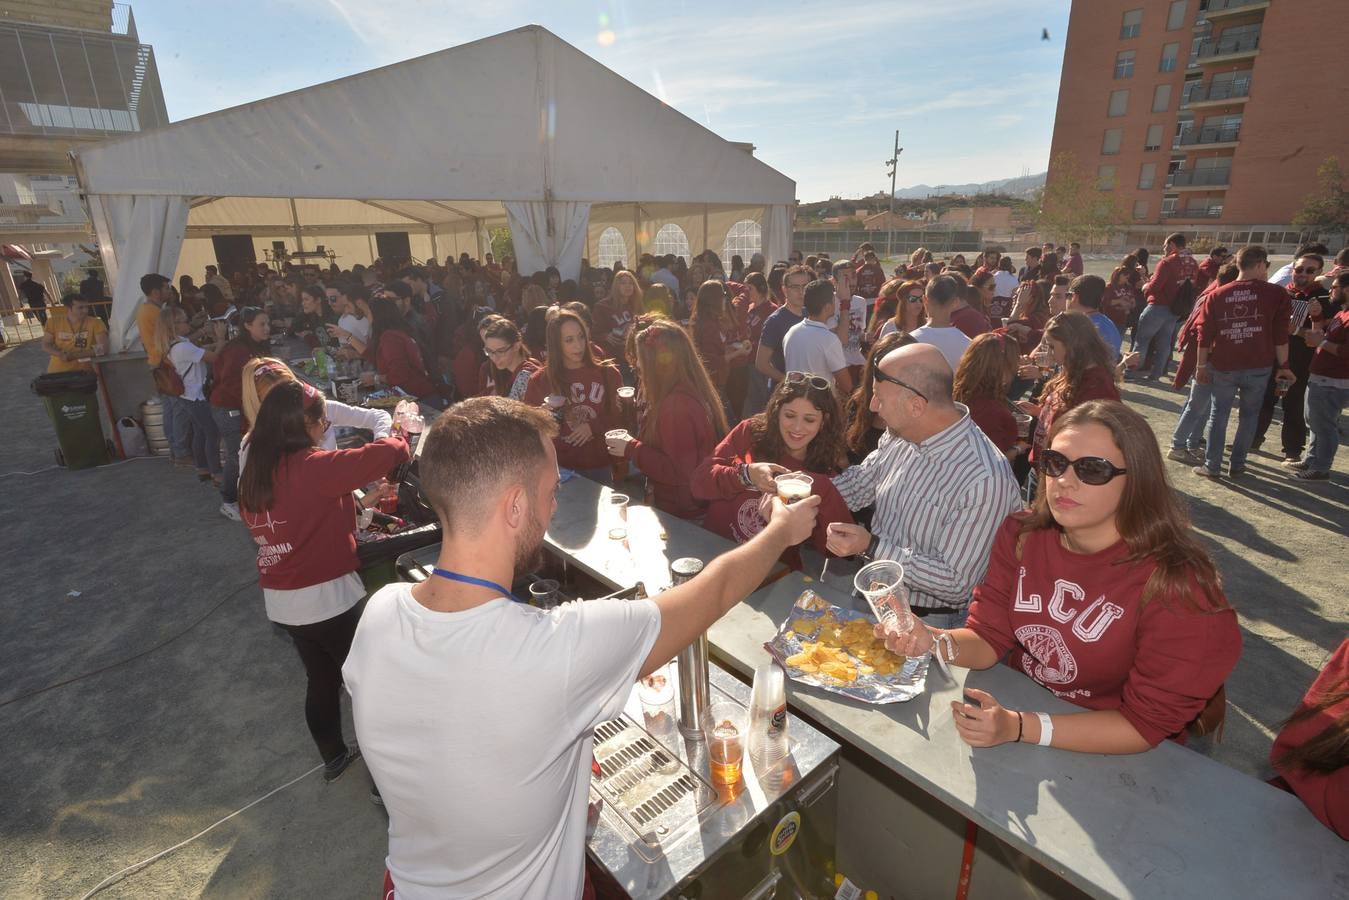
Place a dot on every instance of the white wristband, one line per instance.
(1046, 729)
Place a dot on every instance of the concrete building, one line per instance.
(1204, 116)
(71, 72)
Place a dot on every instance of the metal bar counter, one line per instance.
(1165, 823)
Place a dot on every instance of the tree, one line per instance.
(1074, 207)
(1326, 210)
(502, 243)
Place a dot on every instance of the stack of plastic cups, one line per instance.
(768, 746)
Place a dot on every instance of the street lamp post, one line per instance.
(893, 163)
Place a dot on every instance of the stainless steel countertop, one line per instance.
(611, 844)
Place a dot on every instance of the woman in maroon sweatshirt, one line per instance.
(1086, 372)
(800, 431)
(1310, 753)
(296, 501)
(684, 418)
(395, 353)
(1101, 593)
(227, 398)
(589, 391)
(982, 380)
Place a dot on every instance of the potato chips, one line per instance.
(841, 652)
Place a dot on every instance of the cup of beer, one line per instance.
(724, 729)
(882, 584)
(793, 486)
(618, 465)
(555, 402)
(627, 394)
(1023, 421)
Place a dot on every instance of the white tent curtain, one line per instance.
(548, 234)
(137, 235)
(777, 234)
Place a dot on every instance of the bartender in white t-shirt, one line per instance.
(474, 711)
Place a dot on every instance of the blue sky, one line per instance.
(819, 88)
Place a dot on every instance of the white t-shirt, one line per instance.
(1004, 283)
(186, 357)
(812, 346)
(857, 329)
(476, 726)
(951, 341)
(1284, 276)
(359, 328)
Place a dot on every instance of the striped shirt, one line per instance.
(942, 499)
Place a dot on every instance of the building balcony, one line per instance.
(1199, 179)
(1210, 137)
(1222, 9)
(1224, 50)
(1207, 211)
(1221, 94)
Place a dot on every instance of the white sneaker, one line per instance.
(231, 511)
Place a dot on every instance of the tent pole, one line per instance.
(636, 235)
(705, 245)
(435, 250)
(295, 220)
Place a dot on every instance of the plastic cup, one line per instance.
(1023, 421)
(627, 394)
(618, 516)
(618, 465)
(544, 593)
(882, 584)
(724, 729)
(793, 486)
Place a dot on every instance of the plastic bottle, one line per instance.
(768, 718)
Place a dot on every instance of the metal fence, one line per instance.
(24, 324)
(899, 243)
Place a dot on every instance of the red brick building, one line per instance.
(1205, 116)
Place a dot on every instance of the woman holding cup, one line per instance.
(798, 436)
(1086, 372)
(982, 380)
(684, 416)
(1101, 593)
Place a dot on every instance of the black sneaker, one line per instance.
(1236, 471)
(333, 769)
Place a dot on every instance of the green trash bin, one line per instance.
(71, 399)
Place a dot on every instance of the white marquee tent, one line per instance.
(518, 129)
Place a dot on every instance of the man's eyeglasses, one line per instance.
(882, 376)
(797, 286)
(815, 381)
(1089, 469)
(1306, 270)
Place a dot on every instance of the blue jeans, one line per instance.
(1324, 404)
(1246, 389)
(1194, 417)
(178, 447)
(1155, 333)
(228, 424)
(205, 440)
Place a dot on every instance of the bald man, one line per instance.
(940, 487)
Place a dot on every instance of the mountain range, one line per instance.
(1021, 186)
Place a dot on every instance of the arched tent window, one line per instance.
(671, 239)
(744, 240)
(612, 249)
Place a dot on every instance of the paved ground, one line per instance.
(116, 766)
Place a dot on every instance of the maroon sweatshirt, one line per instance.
(1325, 793)
(1242, 322)
(591, 400)
(683, 437)
(1166, 279)
(1074, 623)
(1334, 365)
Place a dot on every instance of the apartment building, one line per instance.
(1208, 117)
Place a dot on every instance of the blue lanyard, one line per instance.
(480, 582)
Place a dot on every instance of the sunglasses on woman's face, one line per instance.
(1089, 469)
(815, 381)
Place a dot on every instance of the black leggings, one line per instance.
(323, 648)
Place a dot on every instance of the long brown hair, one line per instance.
(900, 293)
(987, 368)
(1329, 750)
(634, 305)
(557, 370)
(710, 303)
(859, 414)
(1085, 348)
(825, 451)
(503, 329)
(1029, 298)
(1150, 519)
(280, 430)
(667, 361)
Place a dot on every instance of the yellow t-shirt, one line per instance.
(147, 320)
(72, 340)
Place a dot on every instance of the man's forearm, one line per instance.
(1281, 354)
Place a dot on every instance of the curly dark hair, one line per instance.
(825, 451)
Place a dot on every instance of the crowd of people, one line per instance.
(967, 419)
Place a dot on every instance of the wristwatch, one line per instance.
(869, 554)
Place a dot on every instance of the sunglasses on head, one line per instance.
(815, 381)
(1089, 469)
(881, 376)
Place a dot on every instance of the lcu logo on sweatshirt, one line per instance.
(1048, 658)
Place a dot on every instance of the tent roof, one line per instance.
(522, 115)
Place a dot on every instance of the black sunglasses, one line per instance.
(815, 381)
(881, 376)
(1089, 469)
(1305, 270)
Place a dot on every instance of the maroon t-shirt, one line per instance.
(1242, 322)
(994, 418)
(971, 321)
(1334, 365)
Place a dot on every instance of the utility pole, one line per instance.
(893, 163)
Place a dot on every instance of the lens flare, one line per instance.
(606, 38)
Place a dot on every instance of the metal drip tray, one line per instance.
(647, 787)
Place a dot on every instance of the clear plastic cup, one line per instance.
(724, 729)
(627, 394)
(793, 486)
(1023, 421)
(544, 593)
(882, 584)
